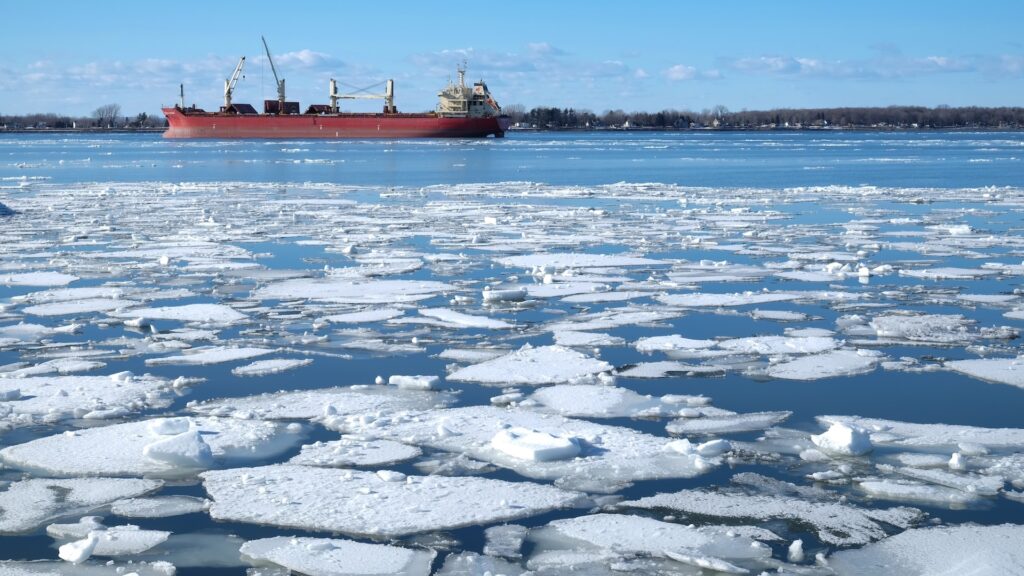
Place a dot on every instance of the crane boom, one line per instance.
(280, 82)
(229, 84)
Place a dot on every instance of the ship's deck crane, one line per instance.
(388, 96)
(229, 84)
(279, 81)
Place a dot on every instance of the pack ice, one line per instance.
(361, 503)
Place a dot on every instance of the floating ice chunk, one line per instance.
(159, 506)
(727, 423)
(127, 540)
(414, 382)
(79, 551)
(828, 365)
(969, 483)
(354, 451)
(943, 437)
(364, 316)
(834, 522)
(561, 261)
(613, 296)
(293, 496)
(948, 273)
(925, 328)
(843, 440)
(120, 450)
(267, 367)
(667, 368)
(701, 300)
(979, 550)
(493, 296)
(29, 504)
(610, 457)
(185, 450)
(627, 536)
(535, 446)
(472, 355)
(1000, 370)
(533, 366)
(210, 355)
(86, 306)
(778, 315)
(168, 426)
(347, 291)
(916, 492)
(772, 345)
(672, 342)
(473, 564)
(55, 398)
(77, 530)
(572, 338)
(505, 541)
(795, 553)
(36, 279)
(464, 320)
(23, 332)
(594, 401)
(334, 557)
(199, 313)
(323, 402)
(61, 568)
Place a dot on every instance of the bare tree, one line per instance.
(107, 114)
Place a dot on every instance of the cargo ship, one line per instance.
(462, 112)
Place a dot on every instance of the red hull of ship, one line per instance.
(230, 126)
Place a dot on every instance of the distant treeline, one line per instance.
(892, 117)
(105, 117)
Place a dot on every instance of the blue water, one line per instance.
(725, 160)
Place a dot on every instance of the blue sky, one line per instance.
(71, 57)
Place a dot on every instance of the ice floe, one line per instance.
(353, 451)
(609, 456)
(533, 366)
(754, 497)
(152, 448)
(323, 402)
(981, 550)
(1000, 370)
(363, 503)
(29, 504)
(334, 557)
(267, 367)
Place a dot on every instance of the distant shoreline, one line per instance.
(596, 130)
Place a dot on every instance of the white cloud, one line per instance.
(681, 72)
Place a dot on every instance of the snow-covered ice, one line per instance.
(533, 366)
(364, 504)
(335, 557)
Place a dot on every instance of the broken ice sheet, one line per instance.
(210, 355)
(29, 504)
(61, 568)
(966, 549)
(533, 366)
(163, 447)
(610, 457)
(219, 314)
(51, 399)
(370, 401)
(594, 401)
(760, 498)
(158, 506)
(701, 422)
(274, 366)
(828, 365)
(354, 451)
(334, 557)
(365, 503)
(346, 291)
(602, 539)
(1000, 370)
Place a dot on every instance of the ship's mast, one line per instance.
(181, 101)
(229, 84)
(279, 81)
